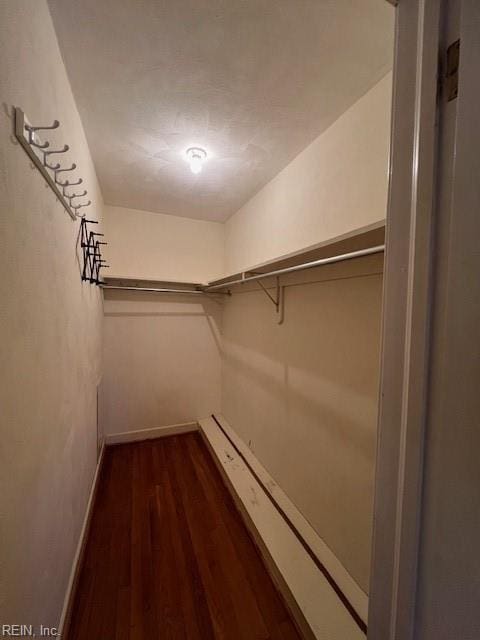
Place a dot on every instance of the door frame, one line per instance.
(408, 291)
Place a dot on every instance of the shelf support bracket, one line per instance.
(278, 302)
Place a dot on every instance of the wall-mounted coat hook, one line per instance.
(39, 145)
(75, 207)
(55, 168)
(70, 196)
(64, 150)
(52, 167)
(72, 168)
(36, 150)
(31, 129)
(67, 183)
(72, 184)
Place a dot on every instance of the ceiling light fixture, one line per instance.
(196, 157)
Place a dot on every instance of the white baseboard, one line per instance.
(317, 608)
(77, 559)
(148, 434)
(354, 593)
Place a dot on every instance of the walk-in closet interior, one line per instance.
(194, 197)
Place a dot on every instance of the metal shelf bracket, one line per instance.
(279, 301)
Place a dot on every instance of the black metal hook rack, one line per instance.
(93, 261)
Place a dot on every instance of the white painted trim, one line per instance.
(152, 432)
(82, 540)
(355, 595)
(406, 310)
(316, 607)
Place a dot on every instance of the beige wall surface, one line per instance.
(161, 360)
(50, 328)
(154, 246)
(336, 185)
(303, 395)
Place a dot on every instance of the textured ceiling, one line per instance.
(251, 81)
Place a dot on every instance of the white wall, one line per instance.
(50, 328)
(303, 395)
(162, 360)
(154, 246)
(335, 185)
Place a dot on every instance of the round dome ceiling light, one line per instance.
(196, 157)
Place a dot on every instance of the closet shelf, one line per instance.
(362, 242)
(145, 282)
(117, 283)
(362, 238)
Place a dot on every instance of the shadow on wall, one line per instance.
(162, 360)
(304, 395)
(315, 447)
(146, 305)
(318, 406)
(331, 328)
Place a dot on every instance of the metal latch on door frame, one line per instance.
(451, 71)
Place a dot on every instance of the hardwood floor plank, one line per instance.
(168, 556)
(144, 620)
(270, 604)
(192, 598)
(209, 488)
(201, 523)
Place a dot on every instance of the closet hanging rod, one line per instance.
(151, 289)
(298, 267)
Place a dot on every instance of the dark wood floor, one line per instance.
(168, 555)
